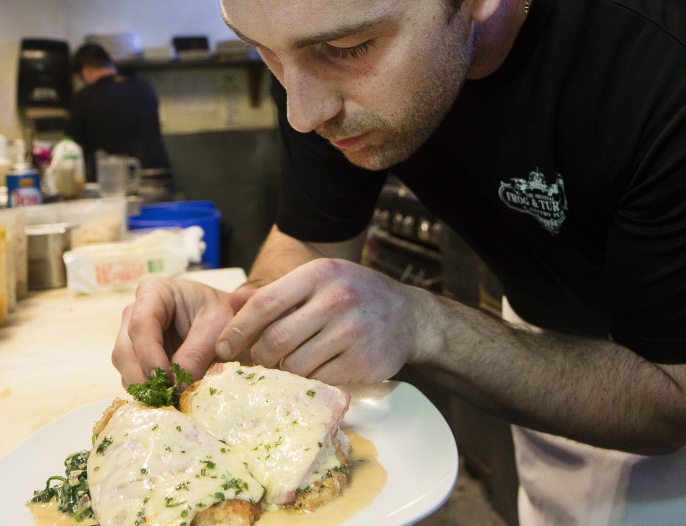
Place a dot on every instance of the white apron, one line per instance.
(566, 483)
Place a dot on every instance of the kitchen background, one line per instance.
(219, 127)
(219, 133)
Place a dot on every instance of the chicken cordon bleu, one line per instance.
(285, 428)
(247, 439)
(156, 466)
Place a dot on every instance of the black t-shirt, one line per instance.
(118, 114)
(565, 170)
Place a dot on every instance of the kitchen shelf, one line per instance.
(215, 61)
(254, 67)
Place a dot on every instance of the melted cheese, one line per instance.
(367, 481)
(158, 467)
(281, 424)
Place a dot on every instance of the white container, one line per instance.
(94, 220)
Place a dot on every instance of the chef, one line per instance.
(114, 113)
(551, 134)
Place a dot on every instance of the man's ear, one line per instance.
(483, 9)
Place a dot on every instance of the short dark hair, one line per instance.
(91, 55)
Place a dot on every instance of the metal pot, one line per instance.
(45, 246)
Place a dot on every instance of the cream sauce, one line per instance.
(47, 514)
(367, 479)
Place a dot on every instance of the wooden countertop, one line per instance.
(55, 354)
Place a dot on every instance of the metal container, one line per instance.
(46, 244)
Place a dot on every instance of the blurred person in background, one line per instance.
(114, 113)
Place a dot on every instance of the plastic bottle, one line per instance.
(23, 180)
(65, 175)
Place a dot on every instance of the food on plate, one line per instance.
(156, 466)
(160, 390)
(246, 439)
(285, 427)
(71, 495)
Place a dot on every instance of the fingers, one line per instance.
(150, 318)
(262, 308)
(238, 298)
(197, 352)
(124, 356)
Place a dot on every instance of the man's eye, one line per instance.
(349, 52)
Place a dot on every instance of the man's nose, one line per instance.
(312, 98)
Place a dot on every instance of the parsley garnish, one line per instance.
(158, 390)
(106, 442)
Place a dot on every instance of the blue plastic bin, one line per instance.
(173, 205)
(183, 216)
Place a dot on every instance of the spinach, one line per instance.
(159, 389)
(48, 493)
(73, 495)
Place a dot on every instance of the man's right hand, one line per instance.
(170, 321)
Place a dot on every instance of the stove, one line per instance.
(404, 239)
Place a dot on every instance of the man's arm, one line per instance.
(593, 391)
(282, 253)
(343, 323)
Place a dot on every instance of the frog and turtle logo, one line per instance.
(534, 196)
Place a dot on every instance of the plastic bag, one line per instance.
(66, 174)
(115, 266)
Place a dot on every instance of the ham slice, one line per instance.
(281, 424)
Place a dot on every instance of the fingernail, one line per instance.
(224, 350)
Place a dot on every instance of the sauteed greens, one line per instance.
(72, 496)
(71, 493)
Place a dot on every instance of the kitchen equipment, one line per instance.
(117, 175)
(46, 245)
(155, 185)
(44, 78)
(191, 46)
(403, 240)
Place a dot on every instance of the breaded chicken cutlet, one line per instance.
(246, 439)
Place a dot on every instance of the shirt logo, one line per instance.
(534, 196)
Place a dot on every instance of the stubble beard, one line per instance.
(396, 137)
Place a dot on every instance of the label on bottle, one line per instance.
(23, 190)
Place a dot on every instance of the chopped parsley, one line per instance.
(169, 502)
(159, 390)
(106, 442)
(310, 393)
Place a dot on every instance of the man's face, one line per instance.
(374, 77)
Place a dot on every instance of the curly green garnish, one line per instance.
(159, 389)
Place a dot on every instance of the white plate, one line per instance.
(414, 443)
